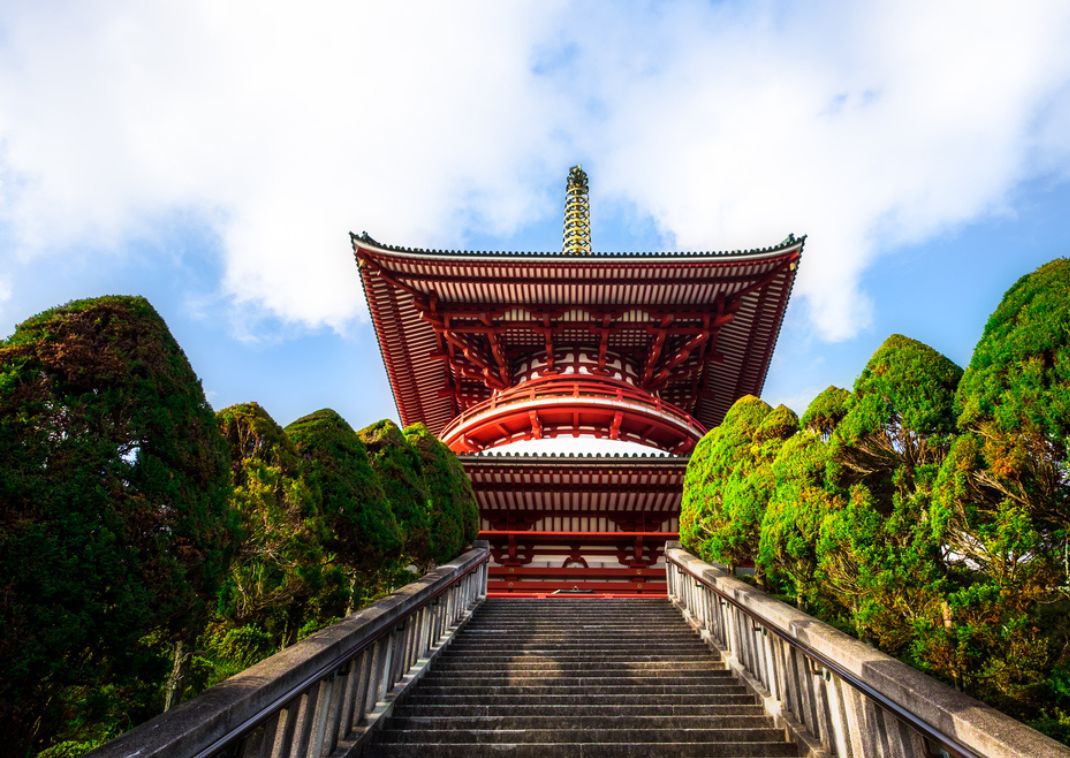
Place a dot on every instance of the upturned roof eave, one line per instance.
(791, 242)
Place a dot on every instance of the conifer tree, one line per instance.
(363, 533)
(115, 527)
(284, 575)
(879, 554)
(1004, 505)
(801, 500)
(748, 487)
(706, 527)
(454, 513)
(398, 467)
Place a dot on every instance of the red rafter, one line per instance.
(660, 332)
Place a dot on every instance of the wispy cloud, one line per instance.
(863, 125)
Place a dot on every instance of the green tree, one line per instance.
(1004, 505)
(802, 498)
(748, 488)
(706, 525)
(284, 574)
(115, 530)
(826, 411)
(879, 554)
(363, 533)
(454, 513)
(398, 467)
(692, 504)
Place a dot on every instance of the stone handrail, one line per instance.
(839, 695)
(320, 696)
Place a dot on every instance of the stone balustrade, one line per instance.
(321, 696)
(838, 695)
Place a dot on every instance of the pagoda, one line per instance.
(490, 348)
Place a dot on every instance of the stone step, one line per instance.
(475, 651)
(565, 722)
(459, 667)
(433, 708)
(580, 655)
(586, 750)
(529, 679)
(419, 698)
(581, 679)
(627, 625)
(535, 617)
(598, 690)
(561, 630)
(580, 735)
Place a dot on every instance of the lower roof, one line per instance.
(573, 484)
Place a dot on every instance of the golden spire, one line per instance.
(577, 238)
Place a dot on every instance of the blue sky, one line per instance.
(213, 157)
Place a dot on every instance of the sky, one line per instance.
(213, 157)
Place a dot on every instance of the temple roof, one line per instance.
(790, 242)
(585, 485)
(700, 325)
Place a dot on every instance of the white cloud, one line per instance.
(865, 126)
(284, 129)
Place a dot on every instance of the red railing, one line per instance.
(567, 404)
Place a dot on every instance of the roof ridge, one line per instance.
(789, 242)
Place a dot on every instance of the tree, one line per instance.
(706, 525)
(826, 411)
(879, 554)
(284, 574)
(692, 504)
(398, 467)
(1004, 504)
(801, 500)
(363, 532)
(454, 513)
(115, 527)
(748, 487)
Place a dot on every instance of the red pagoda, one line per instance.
(487, 349)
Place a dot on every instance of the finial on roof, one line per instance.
(577, 237)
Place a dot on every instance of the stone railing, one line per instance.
(837, 694)
(321, 696)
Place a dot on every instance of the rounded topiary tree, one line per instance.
(454, 513)
(705, 522)
(399, 470)
(880, 554)
(363, 529)
(282, 577)
(826, 411)
(749, 486)
(801, 499)
(1004, 505)
(114, 489)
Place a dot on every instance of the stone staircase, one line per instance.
(579, 678)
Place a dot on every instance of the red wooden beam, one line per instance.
(573, 536)
(499, 572)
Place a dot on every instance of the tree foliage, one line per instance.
(1004, 497)
(454, 513)
(802, 498)
(879, 555)
(362, 529)
(399, 470)
(927, 511)
(114, 529)
(710, 525)
(283, 572)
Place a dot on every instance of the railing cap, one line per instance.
(964, 719)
